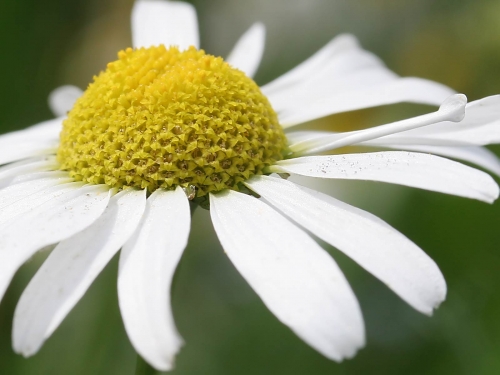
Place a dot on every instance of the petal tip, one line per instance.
(24, 349)
(430, 311)
(491, 190)
(259, 27)
(433, 306)
(495, 192)
(349, 351)
(455, 106)
(62, 99)
(348, 40)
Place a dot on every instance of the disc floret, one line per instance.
(162, 118)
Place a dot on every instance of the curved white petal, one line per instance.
(453, 109)
(70, 269)
(413, 90)
(480, 126)
(40, 175)
(296, 279)
(422, 171)
(9, 172)
(19, 198)
(147, 265)
(306, 135)
(62, 99)
(480, 156)
(36, 140)
(247, 53)
(171, 23)
(369, 241)
(55, 220)
(46, 130)
(477, 155)
(25, 150)
(343, 77)
(410, 140)
(337, 47)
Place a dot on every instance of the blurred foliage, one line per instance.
(226, 327)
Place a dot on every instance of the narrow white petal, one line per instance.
(369, 241)
(453, 109)
(55, 220)
(477, 155)
(20, 198)
(26, 150)
(39, 175)
(412, 90)
(247, 53)
(343, 77)
(46, 130)
(40, 164)
(336, 47)
(147, 265)
(70, 269)
(296, 279)
(170, 23)
(480, 126)
(36, 140)
(422, 171)
(414, 139)
(35, 179)
(480, 156)
(307, 135)
(62, 99)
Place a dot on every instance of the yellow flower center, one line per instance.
(161, 118)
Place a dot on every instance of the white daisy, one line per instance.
(162, 126)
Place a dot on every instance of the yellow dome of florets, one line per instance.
(162, 118)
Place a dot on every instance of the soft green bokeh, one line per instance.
(226, 327)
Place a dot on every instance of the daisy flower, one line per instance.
(166, 128)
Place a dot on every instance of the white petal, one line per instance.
(20, 198)
(40, 164)
(307, 135)
(170, 23)
(35, 179)
(472, 154)
(480, 126)
(480, 156)
(25, 150)
(453, 109)
(70, 269)
(247, 53)
(422, 171)
(36, 140)
(147, 265)
(55, 220)
(343, 77)
(414, 139)
(369, 241)
(413, 90)
(40, 175)
(296, 279)
(45, 130)
(336, 47)
(62, 99)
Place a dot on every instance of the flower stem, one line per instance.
(192, 206)
(143, 368)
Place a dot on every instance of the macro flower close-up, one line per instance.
(168, 129)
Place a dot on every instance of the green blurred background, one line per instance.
(226, 327)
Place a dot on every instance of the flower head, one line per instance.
(162, 118)
(168, 123)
